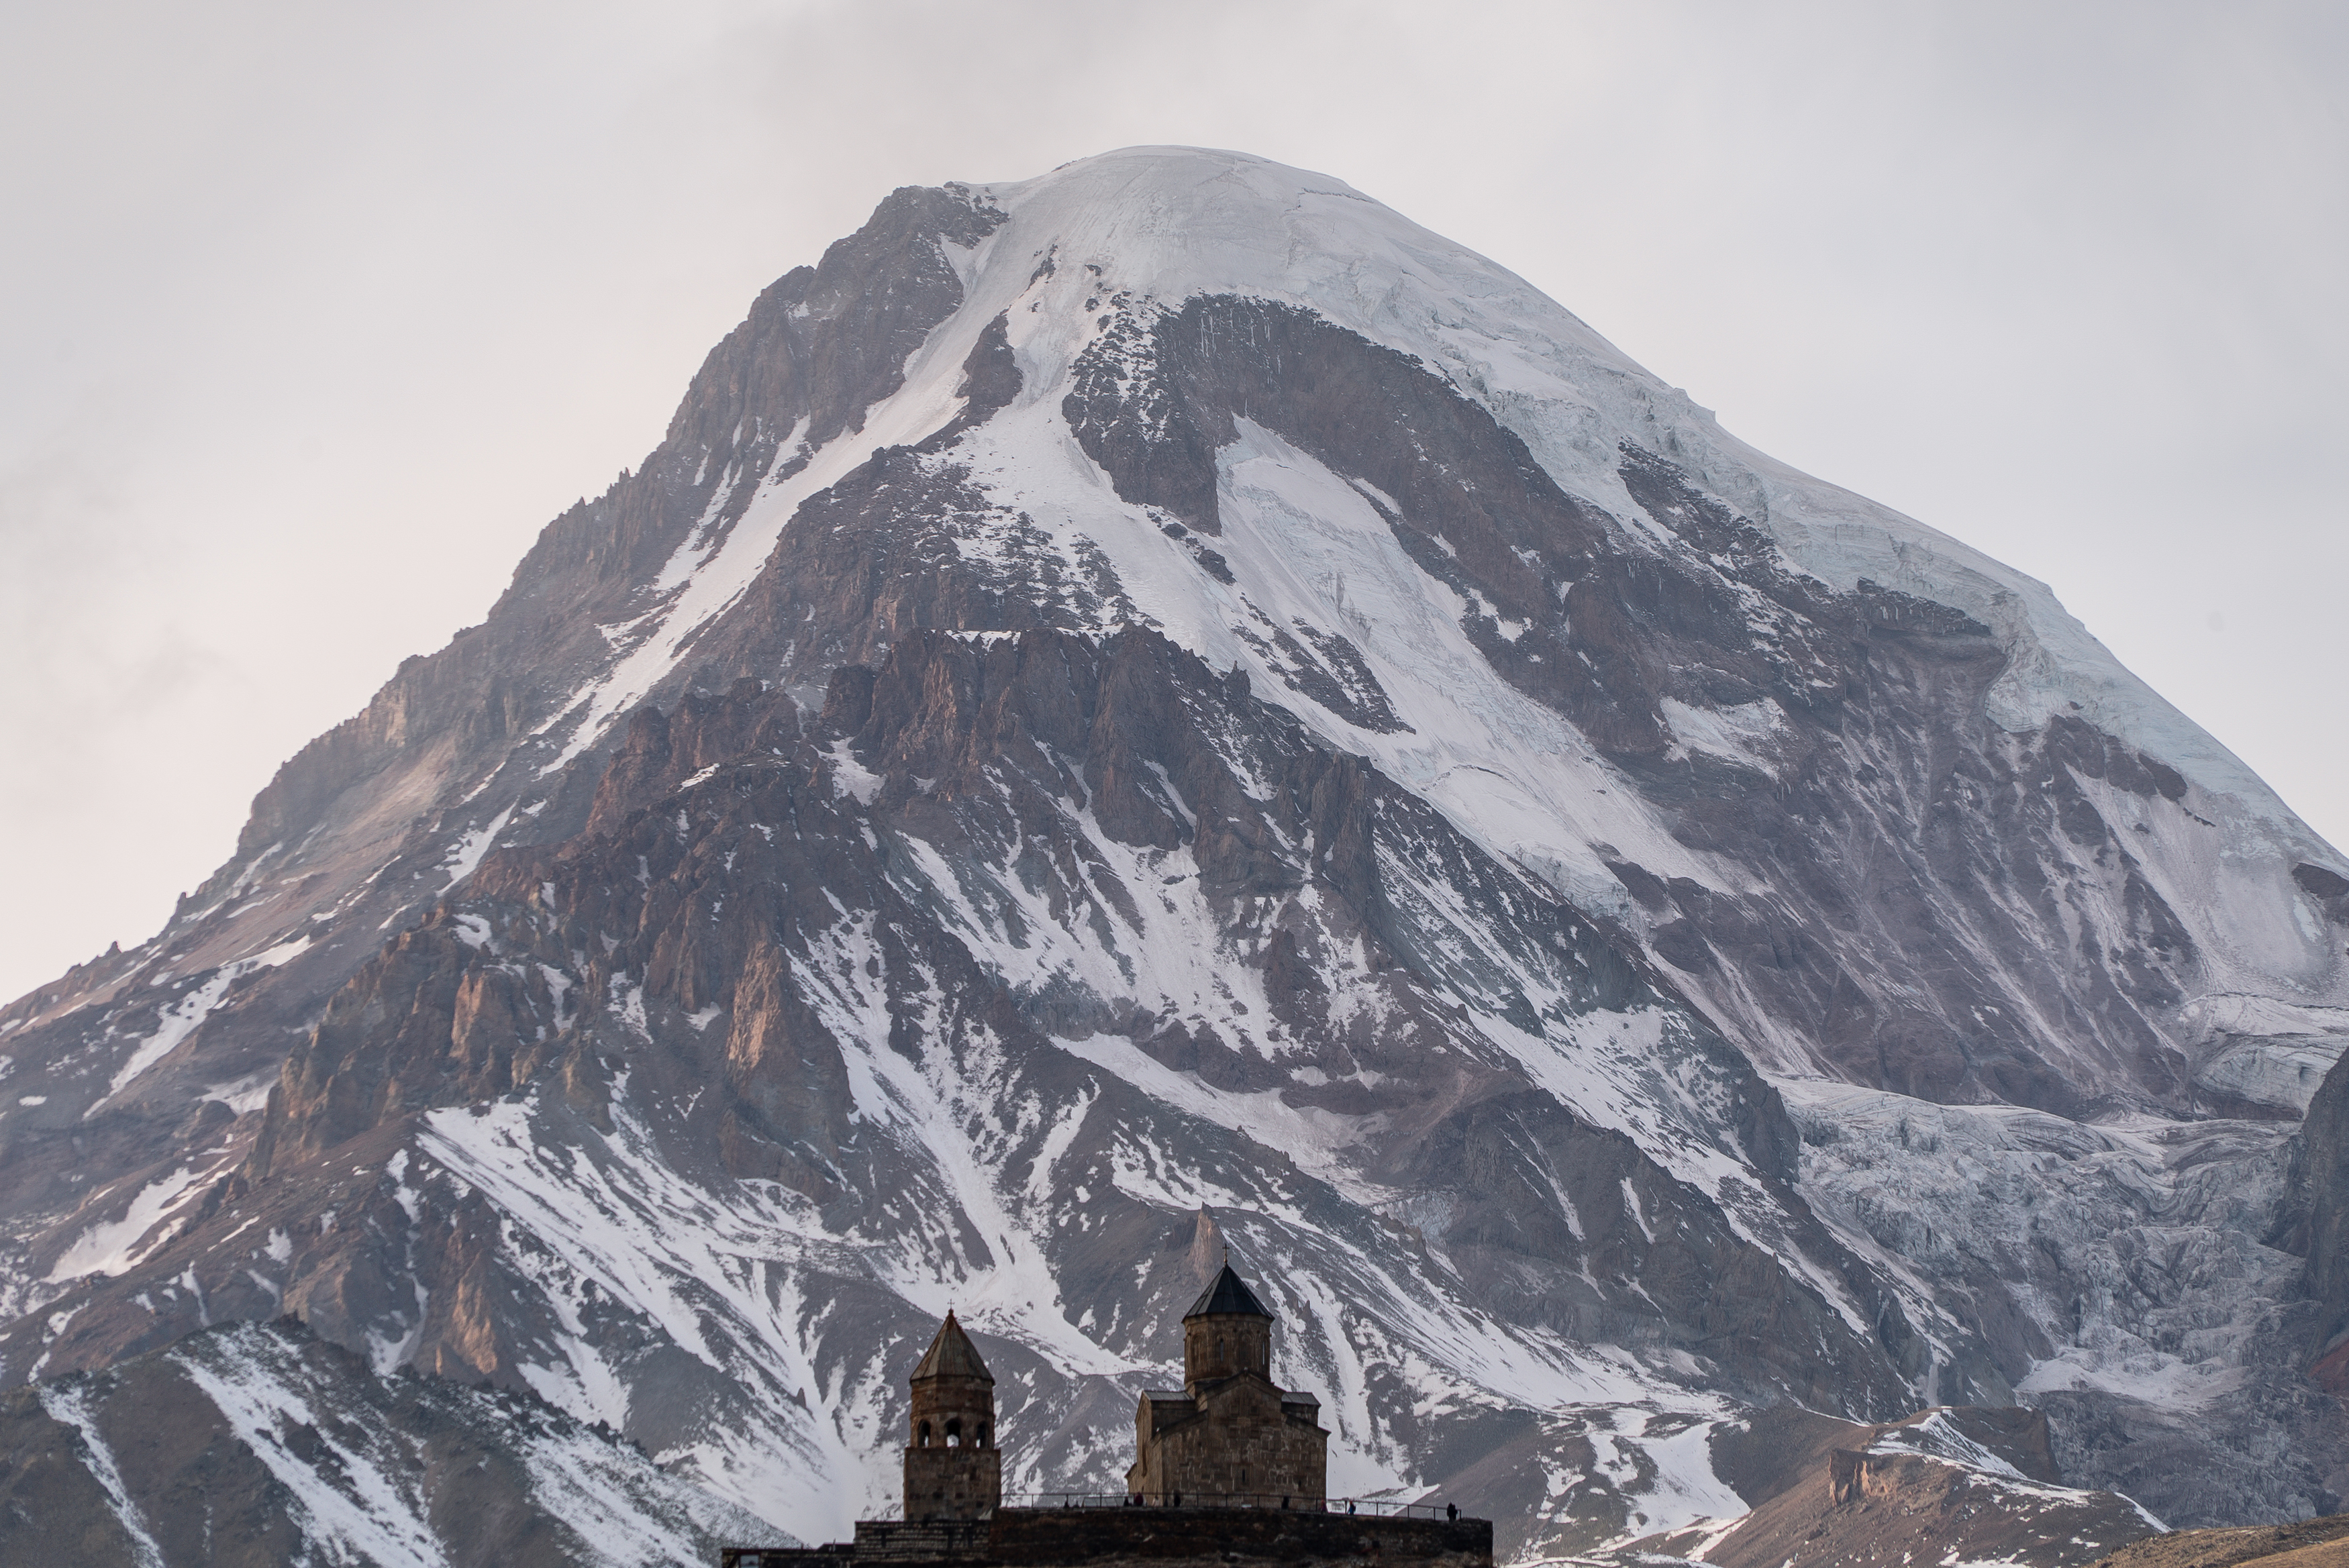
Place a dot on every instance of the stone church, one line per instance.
(1230, 1431)
(1240, 1461)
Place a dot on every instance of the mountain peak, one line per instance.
(1167, 686)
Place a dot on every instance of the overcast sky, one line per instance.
(312, 314)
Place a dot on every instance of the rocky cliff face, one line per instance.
(1165, 700)
(2316, 1223)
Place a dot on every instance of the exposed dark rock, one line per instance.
(2329, 886)
(2316, 1222)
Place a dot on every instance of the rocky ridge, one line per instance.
(2307, 1543)
(1971, 1484)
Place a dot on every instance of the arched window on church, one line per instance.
(982, 1434)
(954, 1433)
(922, 1436)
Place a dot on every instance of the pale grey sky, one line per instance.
(311, 315)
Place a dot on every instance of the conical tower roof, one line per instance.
(1228, 1296)
(952, 1355)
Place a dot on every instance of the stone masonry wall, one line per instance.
(1158, 1537)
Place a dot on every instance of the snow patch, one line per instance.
(468, 851)
(111, 1247)
(175, 1021)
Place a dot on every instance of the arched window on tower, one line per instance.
(922, 1436)
(954, 1433)
(982, 1434)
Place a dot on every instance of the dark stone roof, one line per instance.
(952, 1355)
(1229, 1297)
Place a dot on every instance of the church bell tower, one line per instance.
(953, 1469)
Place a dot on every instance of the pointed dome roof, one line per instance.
(1229, 1297)
(952, 1355)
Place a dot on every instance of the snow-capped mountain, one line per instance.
(1165, 702)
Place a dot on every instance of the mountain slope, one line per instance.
(1163, 698)
(258, 1445)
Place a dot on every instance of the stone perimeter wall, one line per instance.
(1160, 1537)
